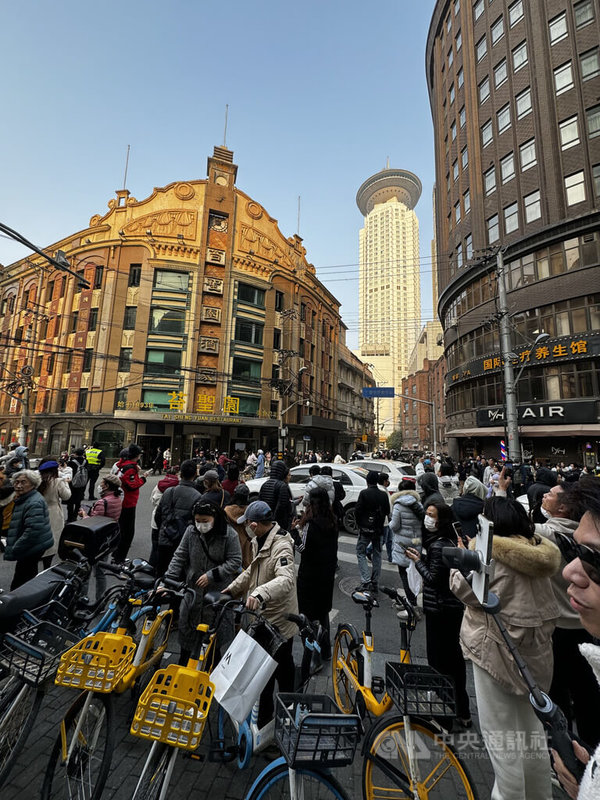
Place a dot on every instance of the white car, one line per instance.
(396, 470)
(351, 479)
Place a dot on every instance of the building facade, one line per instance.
(514, 89)
(422, 401)
(389, 281)
(203, 326)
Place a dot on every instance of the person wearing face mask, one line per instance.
(207, 558)
(429, 489)
(443, 611)
(173, 515)
(270, 581)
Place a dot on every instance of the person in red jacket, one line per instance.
(131, 480)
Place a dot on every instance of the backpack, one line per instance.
(372, 522)
(80, 478)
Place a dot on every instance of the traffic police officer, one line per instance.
(95, 461)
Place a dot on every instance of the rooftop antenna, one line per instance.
(225, 131)
(387, 163)
(126, 167)
(298, 231)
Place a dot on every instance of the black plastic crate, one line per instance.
(310, 729)
(419, 690)
(34, 653)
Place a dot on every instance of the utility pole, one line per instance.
(510, 388)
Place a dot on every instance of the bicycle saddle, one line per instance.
(365, 599)
(32, 594)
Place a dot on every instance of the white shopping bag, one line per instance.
(415, 580)
(241, 675)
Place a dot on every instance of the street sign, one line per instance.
(378, 391)
(364, 437)
(306, 438)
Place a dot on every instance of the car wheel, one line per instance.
(350, 520)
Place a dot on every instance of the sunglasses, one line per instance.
(590, 558)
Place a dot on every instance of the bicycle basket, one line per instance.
(420, 690)
(174, 707)
(310, 729)
(33, 651)
(97, 663)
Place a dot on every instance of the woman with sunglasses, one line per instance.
(208, 557)
(583, 575)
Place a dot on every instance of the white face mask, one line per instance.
(547, 514)
(430, 523)
(250, 530)
(204, 527)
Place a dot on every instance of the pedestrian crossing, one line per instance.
(347, 553)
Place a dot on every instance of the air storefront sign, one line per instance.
(541, 414)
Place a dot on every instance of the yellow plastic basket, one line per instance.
(174, 707)
(97, 663)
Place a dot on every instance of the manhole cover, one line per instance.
(348, 585)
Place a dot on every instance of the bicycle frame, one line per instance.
(139, 664)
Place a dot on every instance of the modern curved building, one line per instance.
(389, 281)
(515, 97)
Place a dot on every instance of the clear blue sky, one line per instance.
(320, 93)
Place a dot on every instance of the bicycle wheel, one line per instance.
(225, 746)
(273, 782)
(154, 780)
(79, 768)
(386, 771)
(19, 706)
(344, 656)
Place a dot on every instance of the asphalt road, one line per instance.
(225, 781)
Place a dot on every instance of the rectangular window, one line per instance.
(563, 78)
(515, 12)
(569, 132)
(50, 291)
(484, 89)
(489, 179)
(596, 178)
(250, 332)
(171, 281)
(68, 362)
(129, 319)
(503, 118)
(459, 256)
(527, 155)
(50, 363)
(519, 56)
(590, 64)
(99, 272)
(469, 247)
(93, 319)
(481, 48)
(458, 41)
(593, 121)
(464, 157)
(575, 188)
(121, 398)
(167, 321)
(511, 218)
(523, 103)
(448, 24)
(135, 275)
(507, 168)
(486, 133)
(467, 201)
(163, 362)
(584, 13)
(493, 230)
(79, 279)
(251, 295)
(450, 57)
(62, 400)
(500, 73)
(497, 30)
(125, 359)
(533, 208)
(245, 369)
(478, 9)
(279, 296)
(460, 78)
(457, 212)
(74, 321)
(87, 359)
(558, 28)
(455, 170)
(456, 7)
(462, 116)
(452, 94)
(453, 131)
(276, 339)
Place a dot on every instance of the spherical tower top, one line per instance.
(388, 183)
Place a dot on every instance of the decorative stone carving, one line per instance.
(253, 210)
(206, 375)
(184, 191)
(208, 344)
(214, 256)
(213, 285)
(256, 243)
(169, 222)
(210, 314)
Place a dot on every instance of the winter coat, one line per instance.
(109, 505)
(405, 525)
(466, 509)
(448, 487)
(7, 503)
(277, 495)
(29, 532)
(568, 617)
(218, 497)
(437, 596)
(229, 486)
(589, 788)
(22, 454)
(316, 575)
(157, 493)
(57, 491)
(428, 483)
(131, 480)
(220, 558)
(260, 465)
(372, 500)
(319, 482)
(177, 502)
(528, 609)
(271, 576)
(233, 513)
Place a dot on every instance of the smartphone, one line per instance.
(483, 546)
(459, 533)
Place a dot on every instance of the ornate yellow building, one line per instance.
(202, 326)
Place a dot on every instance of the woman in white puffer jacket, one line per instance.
(406, 528)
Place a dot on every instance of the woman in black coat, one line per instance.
(469, 505)
(316, 536)
(443, 611)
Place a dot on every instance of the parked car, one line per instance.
(353, 480)
(395, 469)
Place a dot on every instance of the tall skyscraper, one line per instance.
(389, 282)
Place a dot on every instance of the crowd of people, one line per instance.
(546, 548)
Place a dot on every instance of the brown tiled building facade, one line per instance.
(417, 417)
(202, 323)
(515, 95)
